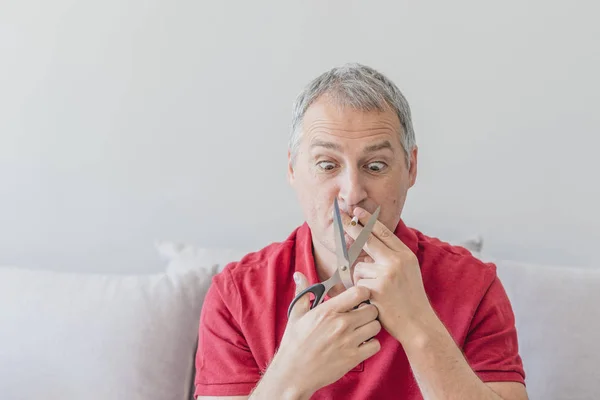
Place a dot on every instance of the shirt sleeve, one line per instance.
(225, 365)
(491, 346)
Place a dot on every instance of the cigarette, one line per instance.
(354, 221)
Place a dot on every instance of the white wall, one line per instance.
(119, 118)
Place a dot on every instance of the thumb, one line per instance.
(302, 306)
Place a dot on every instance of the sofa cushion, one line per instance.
(556, 311)
(182, 256)
(80, 336)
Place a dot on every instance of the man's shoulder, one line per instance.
(259, 268)
(442, 248)
(264, 257)
(457, 283)
(448, 261)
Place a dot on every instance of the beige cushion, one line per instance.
(75, 336)
(558, 323)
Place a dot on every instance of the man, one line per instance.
(438, 324)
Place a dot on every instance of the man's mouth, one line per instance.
(349, 240)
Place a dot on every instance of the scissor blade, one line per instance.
(341, 250)
(360, 241)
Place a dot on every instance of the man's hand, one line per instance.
(393, 276)
(320, 345)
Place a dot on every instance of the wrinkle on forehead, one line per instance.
(358, 133)
(318, 134)
(325, 118)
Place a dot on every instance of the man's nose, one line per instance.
(352, 188)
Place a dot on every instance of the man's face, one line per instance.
(355, 156)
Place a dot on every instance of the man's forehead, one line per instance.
(328, 126)
(327, 112)
(369, 144)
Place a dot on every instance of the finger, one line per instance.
(380, 231)
(369, 284)
(362, 315)
(373, 246)
(364, 270)
(366, 332)
(348, 299)
(368, 349)
(302, 306)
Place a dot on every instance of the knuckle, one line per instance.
(384, 232)
(361, 292)
(341, 326)
(337, 331)
(328, 313)
(323, 314)
(394, 269)
(406, 256)
(388, 274)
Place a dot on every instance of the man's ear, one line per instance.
(290, 168)
(412, 172)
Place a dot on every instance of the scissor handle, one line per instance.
(318, 289)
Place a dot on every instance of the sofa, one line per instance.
(71, 335)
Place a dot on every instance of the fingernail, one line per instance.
(296, 278)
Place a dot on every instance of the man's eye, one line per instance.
(376, 166)
(326, 165)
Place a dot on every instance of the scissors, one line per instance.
(345, 259)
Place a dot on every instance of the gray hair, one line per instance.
(360, 87)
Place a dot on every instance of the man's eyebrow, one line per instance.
(369, 149)
(327, 145)
(378, 146)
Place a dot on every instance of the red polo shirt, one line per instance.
(245, 313)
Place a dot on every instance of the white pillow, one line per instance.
(76, 336)
(181, 256)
